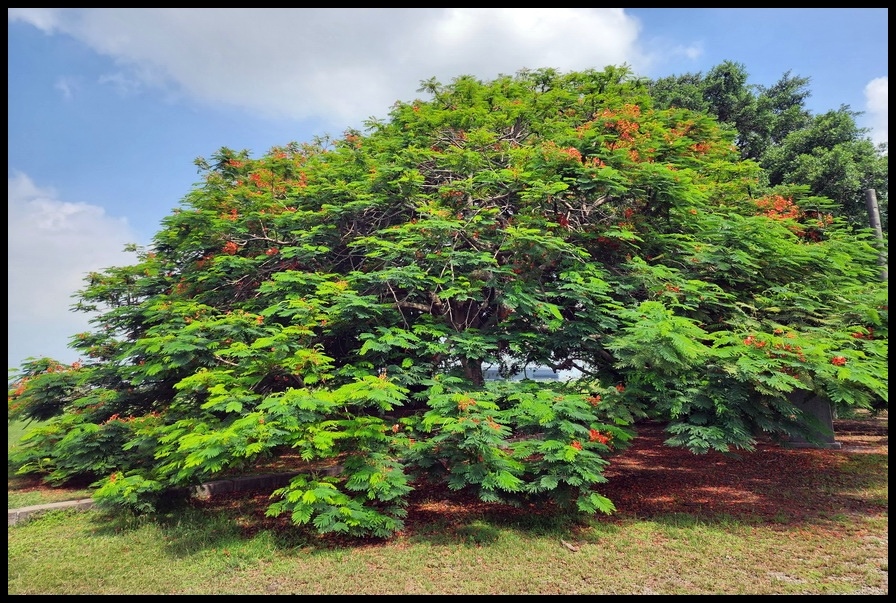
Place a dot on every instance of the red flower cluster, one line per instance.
(596, 436)
(465, 403)
(572, 153)
(777, 207)
(838, 360)
(750, 340)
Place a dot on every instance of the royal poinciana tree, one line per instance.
(342, 300)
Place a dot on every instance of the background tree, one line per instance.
(828, 153)
(342, 298)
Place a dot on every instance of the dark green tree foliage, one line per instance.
(342, 298)
(830, 156)
(828, 153)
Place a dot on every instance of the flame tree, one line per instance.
(341, 300)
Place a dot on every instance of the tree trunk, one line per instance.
(473, 370)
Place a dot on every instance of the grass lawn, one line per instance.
(776, 521)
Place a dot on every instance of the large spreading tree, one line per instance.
(343, 299)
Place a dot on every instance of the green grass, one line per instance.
(19, 492)
(229, 548)
(199, 553)
(15, 431)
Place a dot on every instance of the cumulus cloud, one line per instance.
(311, 63)
(67, 87)
(53, 244)
(337, 67)
(334, 66)
(876, 93)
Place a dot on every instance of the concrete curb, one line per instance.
(15, 516)
(202, 492)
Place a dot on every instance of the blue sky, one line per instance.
(109, 108)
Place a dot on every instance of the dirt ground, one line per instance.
(772, 483)
(784, 485)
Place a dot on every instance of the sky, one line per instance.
(108, 108)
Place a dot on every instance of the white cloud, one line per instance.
(876, 93)
(67, 87)
(340, 65)
(337, 65)
(42, 18)
(122, 83)
(52, 246)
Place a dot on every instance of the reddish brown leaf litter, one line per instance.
(771, 484)
(783, 486)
